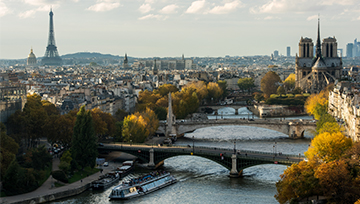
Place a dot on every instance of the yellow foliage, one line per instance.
(330, 127)
(327, 147)
(290, 78)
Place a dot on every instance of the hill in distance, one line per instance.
(91, 55)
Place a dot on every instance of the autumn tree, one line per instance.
(152, 123)
(269, 83)
(326, 147)
(297, 181)
(120, 115)
(289, 83)
(214, 91)
(166, 88)
(134, 129)
(84, 141)
(280, 90)
(246, 84)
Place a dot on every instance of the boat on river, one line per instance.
(142, 185)
(125, 169)
(105, 180)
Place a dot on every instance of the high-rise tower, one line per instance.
(51, 56)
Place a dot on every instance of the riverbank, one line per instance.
(47, 192)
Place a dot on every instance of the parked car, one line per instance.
(106, 164)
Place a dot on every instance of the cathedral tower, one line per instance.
(314, 73)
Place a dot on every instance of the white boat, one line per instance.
(142, 185)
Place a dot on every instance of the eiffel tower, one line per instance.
(51, 56)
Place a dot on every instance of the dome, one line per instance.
(31, 60)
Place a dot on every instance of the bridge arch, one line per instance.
(160, 154)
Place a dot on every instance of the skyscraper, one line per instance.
(276, 53)
(288, 54)
(51, 56)
(349, 50)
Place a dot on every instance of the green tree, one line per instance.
(120, 115)
(223, 85)
(84, 141)
(13, 179)
(246, 84)
(280, 90)
(118, 131)
(297, 90)
(269, 83)
(8, 149)
(40, 158)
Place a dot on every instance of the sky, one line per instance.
(170, 28)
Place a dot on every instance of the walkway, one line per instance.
(47, 189)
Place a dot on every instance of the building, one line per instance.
(31, 60)
(12, 98)
(314, 73)
(349, 50)
(276, 53)
(125, 63)
(51, 56)
(288, 53)
(344, 103)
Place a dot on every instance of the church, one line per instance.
(314, 73)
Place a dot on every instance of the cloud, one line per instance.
(41, 2)
(31, 13)
(150, 1)
(339, 2)
(104, 5)
(285, 6)
(153, 16)
(145, 8)
(169, 9)
(227, 7)
(271, 18)
(4, 10)
(196, 7)
(312, 17)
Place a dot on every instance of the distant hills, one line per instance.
(91, 55)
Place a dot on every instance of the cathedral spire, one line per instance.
(318, 42)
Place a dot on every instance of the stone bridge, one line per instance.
(229, 158)
(295, 129)
(215, 108)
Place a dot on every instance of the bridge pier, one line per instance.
(216, 112)
(234, 173)
(151, 162)
(236, 111)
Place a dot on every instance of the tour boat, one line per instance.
(142, 185)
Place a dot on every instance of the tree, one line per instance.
(297, 90)
(258, 96)
(40, 158)
(13, 179)
(8, 149)
(166, 88)
(280, 90)
(134, 129)
(269, 83)
(336, 181)
(316, 104)
(199, 87)
(327, 147)
(223, 85)
(152, 123)
(214, 91)
(120, 115)
(84, 141)
(246, 84)
(118, 131)
(289, 83)
(297, 181)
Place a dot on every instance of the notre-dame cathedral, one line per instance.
(314, 73)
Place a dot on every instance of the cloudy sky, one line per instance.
(148, 28)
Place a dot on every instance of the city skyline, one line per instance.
(170, 28)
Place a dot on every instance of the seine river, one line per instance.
(204, 181)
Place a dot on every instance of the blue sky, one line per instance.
(148, 28)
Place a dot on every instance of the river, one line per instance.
(204, 181)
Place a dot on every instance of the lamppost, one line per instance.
(299, 157)
(193, 145)
(235, 146)
(275, 148)
(130, 142)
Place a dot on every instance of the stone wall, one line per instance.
(278, 110)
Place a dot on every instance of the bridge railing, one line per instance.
(197, 151)
(213, 148)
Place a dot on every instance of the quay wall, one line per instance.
(277, 110)
(56, 195)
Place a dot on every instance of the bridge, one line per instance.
(215, 108)
(295, 129)
(231, 159)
